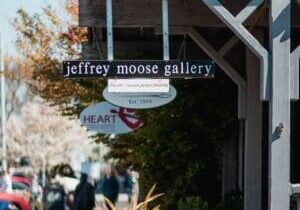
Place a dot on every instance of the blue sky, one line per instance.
(8, 10)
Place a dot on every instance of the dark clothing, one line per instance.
(54, 198)
(128, 184)
(84, 196)
(111, 188)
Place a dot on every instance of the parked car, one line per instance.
(15, 200)
(5, 205)
(20, 179)
(19, 186)
(21, 189)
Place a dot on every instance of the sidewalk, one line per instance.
(122, 203)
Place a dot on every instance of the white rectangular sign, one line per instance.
(138, 85)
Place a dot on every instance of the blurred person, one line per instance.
(128, 185)
(37, 192)
(84, 195)
(111, 186)
(54, 197)
(5, 182)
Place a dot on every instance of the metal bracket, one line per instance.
(109, 28)
(295, 189)
(165, 26)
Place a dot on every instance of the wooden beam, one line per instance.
(205, 46)
(242, 102)
(229, 177)
(279, 115)
(228, 45)
(253, 137)
(234, 40)
(247, 38)
(212, 53)
(248, 10)
(90, 51)
(145, 13)
(241, 154)
(226, 67)
(173, 30)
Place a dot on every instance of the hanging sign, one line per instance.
(139, 69)
(109, 119)
(140, 100)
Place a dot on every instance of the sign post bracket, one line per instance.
(109, 28)
(165, 25)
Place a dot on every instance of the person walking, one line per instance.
(54, 197)
(84, 195)
(111, 187)
(128, 185)
(5, 182)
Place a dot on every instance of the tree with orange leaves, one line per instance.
(44, 40)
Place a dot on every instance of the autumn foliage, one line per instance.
(179, 146)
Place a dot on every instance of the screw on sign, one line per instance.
(279, 129)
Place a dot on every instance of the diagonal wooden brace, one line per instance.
(235, 24)
(234, 40)
(227, 68)
(211, 52)
(248, 10)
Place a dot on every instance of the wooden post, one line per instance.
(253, 139)
(241, 154)
(229, 178)
(231, 158)
(279, 142)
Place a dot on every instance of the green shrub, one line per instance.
(192, 203)
(232, 201)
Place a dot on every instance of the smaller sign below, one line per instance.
(138, 85)
(109, 119)
(140, 100)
